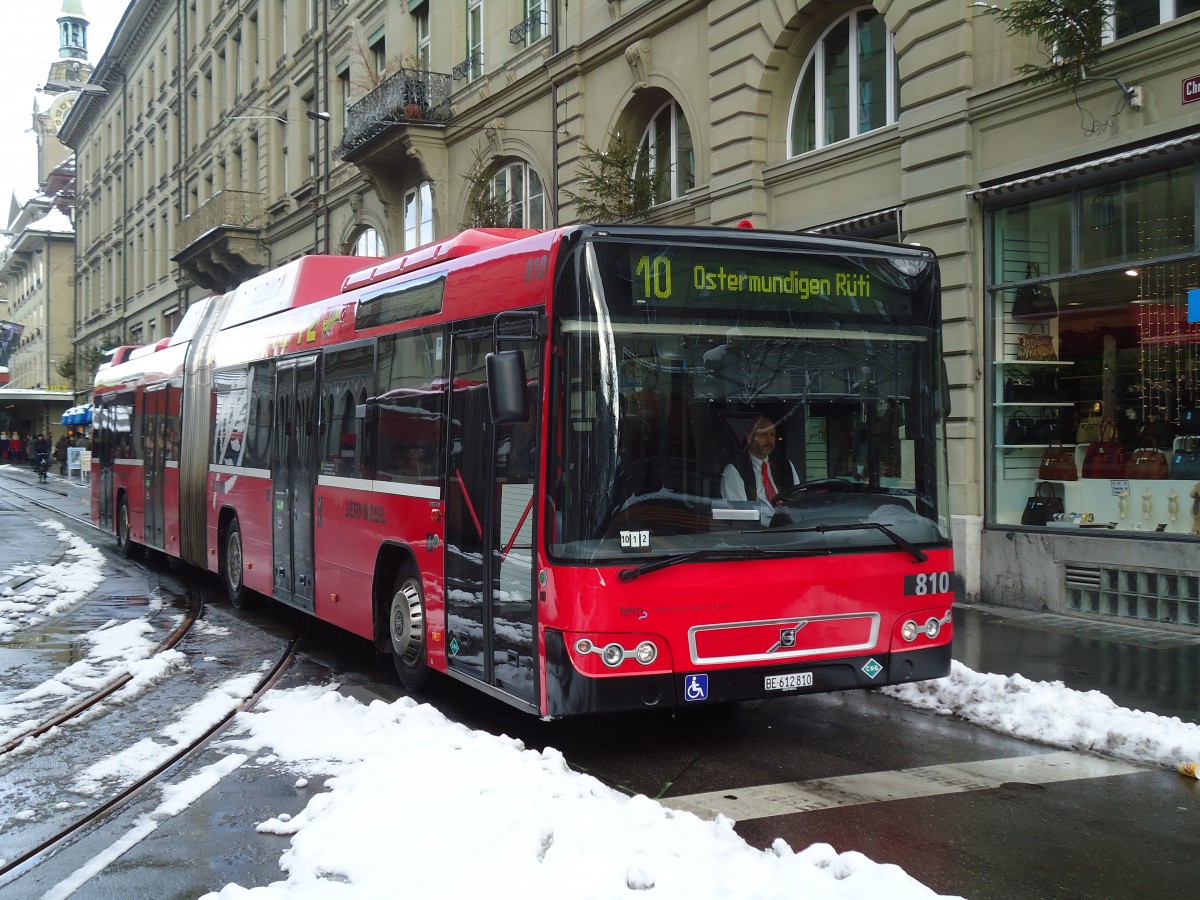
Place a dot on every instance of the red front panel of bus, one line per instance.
(792, 616)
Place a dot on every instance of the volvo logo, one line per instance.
(787, 637)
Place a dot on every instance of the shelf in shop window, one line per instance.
(1033, 362)
(1067, 403)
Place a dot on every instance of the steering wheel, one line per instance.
(822, 485)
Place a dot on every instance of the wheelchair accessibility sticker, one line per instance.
(695, 687)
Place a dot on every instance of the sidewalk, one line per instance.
(1137, 666)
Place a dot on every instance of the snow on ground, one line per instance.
(386, 782)
(399, 777)
(527, 815)
(33, 592)
(1050, 713)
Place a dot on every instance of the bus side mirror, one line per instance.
(506, 387)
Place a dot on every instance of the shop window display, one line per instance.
(1096, 365)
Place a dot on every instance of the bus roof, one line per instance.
(291, 285)
(473, 240)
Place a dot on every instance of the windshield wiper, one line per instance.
(694, 556)
(917, 554)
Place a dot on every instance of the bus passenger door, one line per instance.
(293, 467)
(153, 422)
(103, 443)
(490, 590)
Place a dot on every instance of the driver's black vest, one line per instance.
(781, 473)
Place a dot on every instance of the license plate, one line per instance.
(788, 682)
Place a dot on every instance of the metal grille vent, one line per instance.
(1086, 577)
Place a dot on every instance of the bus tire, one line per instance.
(406, 629)
(129, 549)
(232, 572)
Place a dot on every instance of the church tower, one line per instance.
(56, 99)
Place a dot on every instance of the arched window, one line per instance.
(849, 85)
(418, 216)
(667, 145)
(518, 184)
(369, 243)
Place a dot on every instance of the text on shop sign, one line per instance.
(1191, 89)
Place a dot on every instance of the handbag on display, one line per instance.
(1020, 429)
(1058, 463)
(1036, 346)
(1043, 505)
(1189, 421)
(1048, 428)
(1091, 426)
(1185, 460)
(1045, 386)
(1034, 302)
(1157, 433)
(1105, 458)
(1148, 462)
(1019, 387)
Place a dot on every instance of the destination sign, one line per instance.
(727, 277)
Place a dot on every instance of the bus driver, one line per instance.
(755, 475)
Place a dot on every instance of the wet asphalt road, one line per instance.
(1126, 835)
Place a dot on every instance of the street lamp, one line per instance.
(82, 87)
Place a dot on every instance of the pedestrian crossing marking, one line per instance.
(763, 801)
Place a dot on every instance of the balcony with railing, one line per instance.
(235, 209)
(531, 29)
(409, 96)
(221, 240)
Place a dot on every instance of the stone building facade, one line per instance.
(226, 137)
(37, 253)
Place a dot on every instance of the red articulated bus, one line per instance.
(523, 459)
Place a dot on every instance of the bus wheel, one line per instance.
(231, 568)
(406, 622)
(128, 548)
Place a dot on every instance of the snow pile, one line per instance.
(1051, 713)
(404, 779)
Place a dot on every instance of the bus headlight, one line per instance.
(933, 628)
(646, 652)
(908, 630)
(583, 645)
(613, 655)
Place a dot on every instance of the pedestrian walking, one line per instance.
(60, 454)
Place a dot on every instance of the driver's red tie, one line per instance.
(767, 486)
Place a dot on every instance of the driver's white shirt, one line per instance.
(733, 488)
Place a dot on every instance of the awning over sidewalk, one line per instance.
(77, 415)
(1145, 153)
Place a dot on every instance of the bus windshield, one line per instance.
(682, 363)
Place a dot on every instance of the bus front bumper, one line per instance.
(570, 692)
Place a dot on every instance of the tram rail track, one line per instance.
(33, 492)
(19, 865)
(62, 717)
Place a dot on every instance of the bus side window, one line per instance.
(349, 375)
(411, 408)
